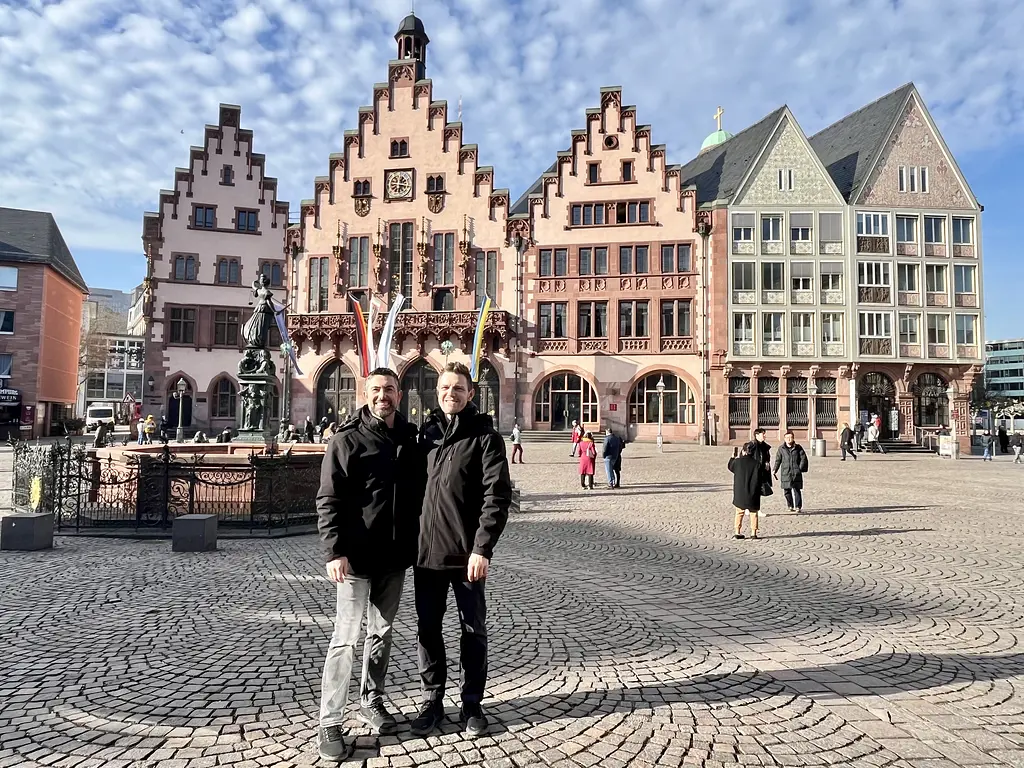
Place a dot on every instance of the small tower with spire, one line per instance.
(412, 43)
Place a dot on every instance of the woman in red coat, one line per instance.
(588, 456)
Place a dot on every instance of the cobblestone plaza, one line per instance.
(881, 627)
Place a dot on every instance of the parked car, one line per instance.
(99, 413)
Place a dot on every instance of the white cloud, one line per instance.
(96, 93)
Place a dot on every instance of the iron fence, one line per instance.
(84, 491)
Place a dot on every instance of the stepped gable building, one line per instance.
(613, 284)
(406, 209)
(212, 235)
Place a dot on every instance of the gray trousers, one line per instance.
(377, 597)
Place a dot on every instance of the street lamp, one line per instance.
(660, 386)
(179, 393)
(446, 349)
(704, 230)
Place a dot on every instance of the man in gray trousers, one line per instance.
(371, 493)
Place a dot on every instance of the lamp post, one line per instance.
(704, 230)
(179, 393)
(660, 386)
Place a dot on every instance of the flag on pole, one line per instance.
(371, 319)
(279, 316)
(387, 334)
(362, 346)
(478, 338)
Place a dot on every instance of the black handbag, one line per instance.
(766, 488)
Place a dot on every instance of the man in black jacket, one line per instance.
(465, 509)
(371, 492)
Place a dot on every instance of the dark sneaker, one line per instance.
(430, 716)
(475, 719)
(378, 718)
(331, 743)
(739, 536)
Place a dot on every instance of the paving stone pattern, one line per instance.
(881, 627)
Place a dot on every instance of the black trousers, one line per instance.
(431, 601)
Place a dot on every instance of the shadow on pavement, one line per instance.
(865, 532)
(867, 510)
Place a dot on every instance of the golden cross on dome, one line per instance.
(718, 117)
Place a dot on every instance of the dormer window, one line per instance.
(227, 176)
(361, 188)
(627, 170)
(435, 183)
(399, 148)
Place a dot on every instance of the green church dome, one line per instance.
(715, 139)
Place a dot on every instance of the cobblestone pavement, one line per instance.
(881, 627)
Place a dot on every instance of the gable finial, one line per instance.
(718, 117)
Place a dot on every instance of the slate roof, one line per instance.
(718, 172)
(522, 205)
(33, 237)
(848, 148)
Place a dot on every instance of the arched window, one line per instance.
(488, 391)
(931, 403)
(680, 404)
(335, 393)
(184, 268)
(419, 391)
(225, 399)
(565, 397)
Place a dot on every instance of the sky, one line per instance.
(101, 99)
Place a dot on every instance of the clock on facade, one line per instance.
(398, 185)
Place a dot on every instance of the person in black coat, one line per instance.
(846, 442)
(763, 451)
(790, 465)
(465, 510)
(611, 452)
(747, 477)
(368, 506)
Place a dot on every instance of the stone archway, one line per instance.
(335, 393)
(931, 401)
(562, 398)
(876, 394)
(419, 391)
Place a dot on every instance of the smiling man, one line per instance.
(465, 509)
(371, 493)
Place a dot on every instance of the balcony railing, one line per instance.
(873, 244)
(874, 294)
(875, 346)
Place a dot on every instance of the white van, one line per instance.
(99, 413)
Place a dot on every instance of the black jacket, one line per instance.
(371, 493)
(790, 465)
(846, 438)
(747, 473)
(468, 491)
(612, 448)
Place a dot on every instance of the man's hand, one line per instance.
(775, 475)
(337, 570)
(477, 569)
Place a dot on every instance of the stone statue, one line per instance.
(263, 319)
(252, 407)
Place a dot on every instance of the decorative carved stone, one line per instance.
(351, 141)
(585, 285)
(435, 202)
(544, 286)
(307, 211)
(634, 345)
(676, 345)
(593, 345)
(626, 284)
(600, 284)
(519, 227)
(321, 187)
(559, 286)
(402, 73)
(641, 283)
(362, 206)
(554, 345)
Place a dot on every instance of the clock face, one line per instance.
(399, 184)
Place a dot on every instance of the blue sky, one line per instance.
(96, 93)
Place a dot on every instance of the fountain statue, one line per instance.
(256, 370)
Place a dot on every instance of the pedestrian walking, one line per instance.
(1004, 440)
(873, 438)
(846, 442)
(747, 479)
(763, 452)
(307, 430)
(858, 436)
(149, 428)
(164, 427)
(318, 430)
(371, 493)
(588, 457)
(1017, 443)
(790, 465)
(988, 443)
(611, 452)
(465, 509)
(577, 435)
(517, 442)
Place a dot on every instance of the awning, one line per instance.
(10, 397)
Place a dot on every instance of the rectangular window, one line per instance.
(787, 178)
(803, 328)
(401, 242)
(933, 229)
(771, 229)
(909, 329)
(923, 174)
(561, 262)
(963, 278)
(963, 231)
(225, 328)
(544, 265)
(873, 224)
(204, 216)
(585, 259)
(358, 262)
(675, 258)
(600, 261)
(773, 276)
(642, 264)
(645, 212)
(875, 325)
(830, 226)
(6, 365)
(625, 259)
(633, 319)
(908, 178)
(743, 278)
(873, 273)
(675, 318)
(802, 275)
(742, 227)
(771, 327)
(742, 326)
(592, 320)
(183, 325)
(444, 258)
(906, 229)
(319, 284)
(227, 272)
(831, 275)
(965, 330)
(627, 170)
(592, 172)
(906, 277)
(8, 278)
(800, 227)
(935, 278)
(577, 215)
(274, 271)
(246, 221)
(832, 327)
(937, 329)
(486, 263)
(115, 388)
(553, 323)
(6, 321)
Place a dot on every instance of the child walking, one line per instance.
(588, 457)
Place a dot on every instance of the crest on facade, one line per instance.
(362, 206)
(435, 202)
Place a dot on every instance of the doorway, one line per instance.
(419, 392)
(876, 394)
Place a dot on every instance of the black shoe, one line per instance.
(331, 743)
(475, 719)
(378, 718)
(430, 716)
(739, 536)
